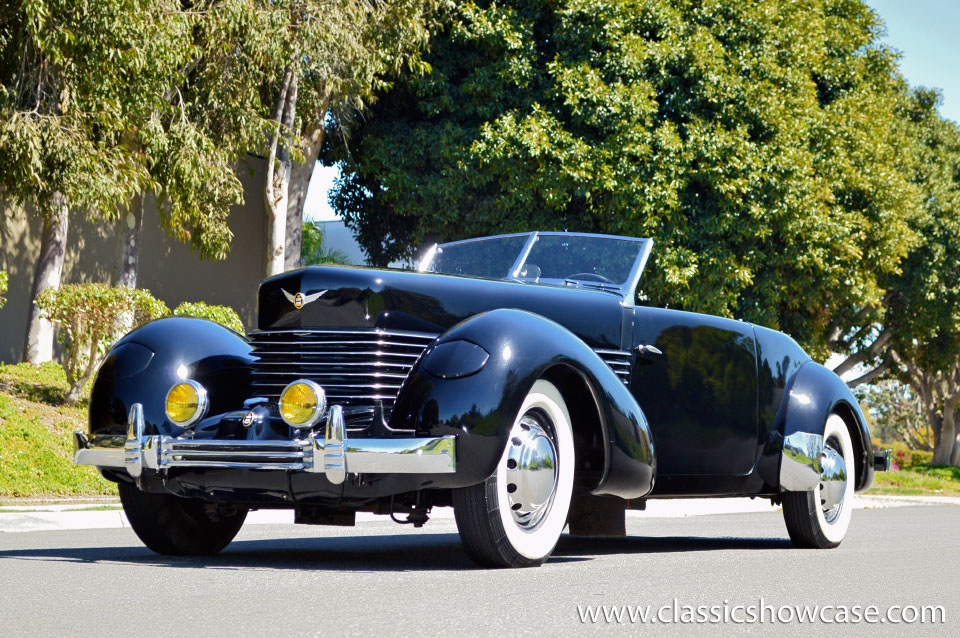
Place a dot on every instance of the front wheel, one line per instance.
(176, 526)
(514, 518)
(819, 518)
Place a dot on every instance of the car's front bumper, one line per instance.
(330, 454)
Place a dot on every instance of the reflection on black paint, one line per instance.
(700, 395)
(779, 359)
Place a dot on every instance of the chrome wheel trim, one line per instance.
(531, 472)
(833, 480)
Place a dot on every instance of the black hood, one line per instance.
(355, 297)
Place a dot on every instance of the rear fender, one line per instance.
(814, 394)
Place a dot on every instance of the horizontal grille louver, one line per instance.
(356, 368)
(619, 361)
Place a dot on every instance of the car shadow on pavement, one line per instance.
(378, 553)
(357, 553)
(592, 546)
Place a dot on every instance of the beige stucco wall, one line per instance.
(167, 268)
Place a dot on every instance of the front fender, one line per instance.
(522, 348)
(811, 397)
(145, 363)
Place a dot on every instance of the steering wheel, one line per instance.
(590, 276)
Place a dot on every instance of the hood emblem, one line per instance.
(300, 300)
(248, 419)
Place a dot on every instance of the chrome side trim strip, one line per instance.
(622, 353)
(800, 462)
(329, 453)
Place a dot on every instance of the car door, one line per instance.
(698, 388)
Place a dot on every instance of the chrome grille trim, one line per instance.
(356, 368)
(620, 361)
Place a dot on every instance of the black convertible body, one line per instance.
(515, 378)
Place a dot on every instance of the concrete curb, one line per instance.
(37, 518)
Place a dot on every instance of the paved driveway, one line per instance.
(383, 579)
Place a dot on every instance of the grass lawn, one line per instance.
(36, 444)
(918, 479)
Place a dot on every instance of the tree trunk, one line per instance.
(128, 244)
(277, 189)
(277, 221)
(299, 183)
(943, 450)
(862, 356)
(38, 342)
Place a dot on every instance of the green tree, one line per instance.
(759, 144)
(270, 74)
(88, 122)
(923, 314)
(896, 413)
(913, 333)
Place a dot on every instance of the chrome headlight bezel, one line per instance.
(203, 403)
(319, 411)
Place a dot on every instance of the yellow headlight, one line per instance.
(302, 403)
(186, 402)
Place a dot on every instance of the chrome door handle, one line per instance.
(648, 349)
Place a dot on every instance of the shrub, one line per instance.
(91, 317)
(224, 315)
(4, 277)
(903, 456)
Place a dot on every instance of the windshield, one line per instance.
(572, 259)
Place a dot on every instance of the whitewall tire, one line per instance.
(820, 518)
(515, 517)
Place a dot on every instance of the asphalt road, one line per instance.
(381, 579)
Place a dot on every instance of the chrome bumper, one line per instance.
(330, 454)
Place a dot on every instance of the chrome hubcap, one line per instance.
(833, 480)
(531, 471)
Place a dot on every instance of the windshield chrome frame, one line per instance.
(628, 290)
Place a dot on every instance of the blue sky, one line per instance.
(925, 32)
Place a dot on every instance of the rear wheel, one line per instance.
(820, 518)
(168, 524)
(514, 518)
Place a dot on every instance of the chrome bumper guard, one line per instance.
(800, 464)
(330, 454)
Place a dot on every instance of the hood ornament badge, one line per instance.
(300, 300)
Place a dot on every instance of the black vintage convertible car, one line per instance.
(516, 378)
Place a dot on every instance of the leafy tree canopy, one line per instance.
(91, 114)
(762, 145)
(63, 115)
(924, 302)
